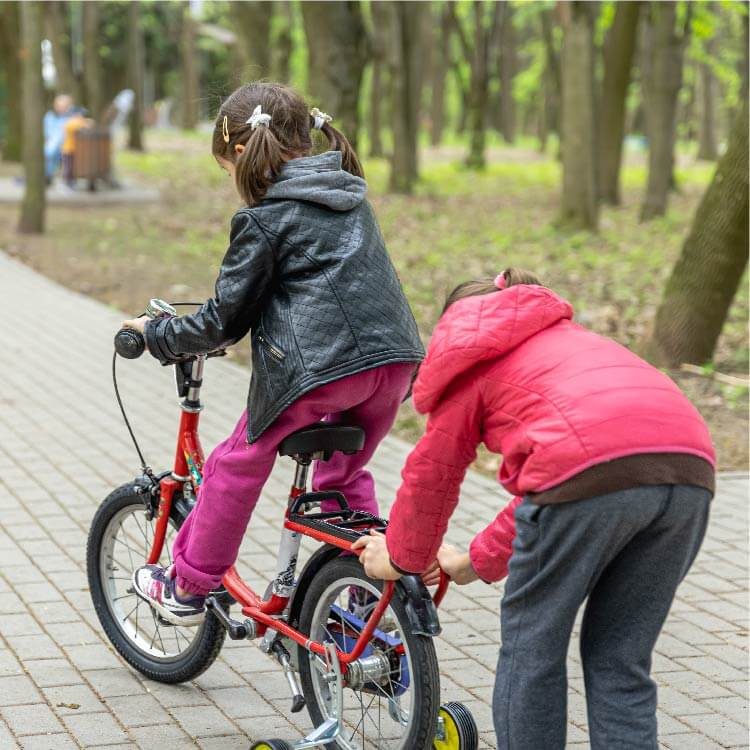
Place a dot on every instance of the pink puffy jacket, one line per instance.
(510, 369)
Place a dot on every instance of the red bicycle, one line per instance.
(357, 652)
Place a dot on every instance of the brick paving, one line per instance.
(63, 448)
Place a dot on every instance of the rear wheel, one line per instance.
(392, 693)
(271, 745)
(119, 541)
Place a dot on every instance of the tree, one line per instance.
(706, 132)
(508, 64)
(405, 73)
(10, 68)
(618, 57)
(661, 86)
(484, 30)
(32, 102)
(253, 23)
(135, 75)
(337, 53)
(283, 46)
(379, 47)
(91, 60)
(706, 276)
(580, 207)
(457, 61)
(188, 52)
(57, 29)
(552, 81)
(439, 71)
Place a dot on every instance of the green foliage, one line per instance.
(717, 40)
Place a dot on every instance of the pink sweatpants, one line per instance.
(209, 541)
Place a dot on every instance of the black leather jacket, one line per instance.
(308, 273)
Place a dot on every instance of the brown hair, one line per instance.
(268, 147)
(478, 287)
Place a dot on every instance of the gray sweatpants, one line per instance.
(627, 552)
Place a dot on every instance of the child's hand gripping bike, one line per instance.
(356, 651)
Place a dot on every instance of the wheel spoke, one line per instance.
(373, 716)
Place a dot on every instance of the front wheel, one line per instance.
(119, 541)
(392, 692)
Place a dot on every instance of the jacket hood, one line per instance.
(318, 179)
(482, 328)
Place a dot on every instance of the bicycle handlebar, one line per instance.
(129, 343)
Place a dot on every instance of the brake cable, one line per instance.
(144, 466)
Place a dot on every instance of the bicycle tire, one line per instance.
(426, 699)
(209, 637)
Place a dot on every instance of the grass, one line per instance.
(459, 224)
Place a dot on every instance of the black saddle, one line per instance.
(322, 440)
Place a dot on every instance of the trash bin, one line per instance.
(92, 155)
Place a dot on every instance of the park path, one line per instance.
(63, 448)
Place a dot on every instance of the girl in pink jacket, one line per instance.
(612, 470)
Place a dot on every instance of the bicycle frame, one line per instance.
(266, 613)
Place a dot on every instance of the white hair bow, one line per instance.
(321, 118)
(258, 117)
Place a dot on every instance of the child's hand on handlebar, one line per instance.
(456, 564)
(137, 324)
(375, 558)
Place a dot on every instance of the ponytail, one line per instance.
(509, 277)
(258, 165)
(337, 141)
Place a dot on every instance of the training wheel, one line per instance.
(271, 745)
(458, 728)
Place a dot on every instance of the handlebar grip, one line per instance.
(129, 343)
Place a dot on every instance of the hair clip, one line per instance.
(225, 129)
(258, 117)
(500, 281)
(320, 118)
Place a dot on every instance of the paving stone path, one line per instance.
(12, 189)
(63, 448)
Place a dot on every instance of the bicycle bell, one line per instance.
(158, 308)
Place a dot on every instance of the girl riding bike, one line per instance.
(332, 334)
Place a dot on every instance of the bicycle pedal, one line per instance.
(236, 630)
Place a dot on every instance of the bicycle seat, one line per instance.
(323, 438)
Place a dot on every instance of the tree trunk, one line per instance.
(467, 53)
(135, 74)
(439, 72)
(618, 59)
(253, 23)
(405, 77)
(661, 89)
(706, 276)
(743, 60)
(376, 100)
(706, 133)
(508, 65)
(10, 63)
(284, 46)
(56, 26)
(189, 53)
(478, 93)
(92, 63)
(337, 50)
(380, 26)
(32, 105)
(579, 200)
(553, 78)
